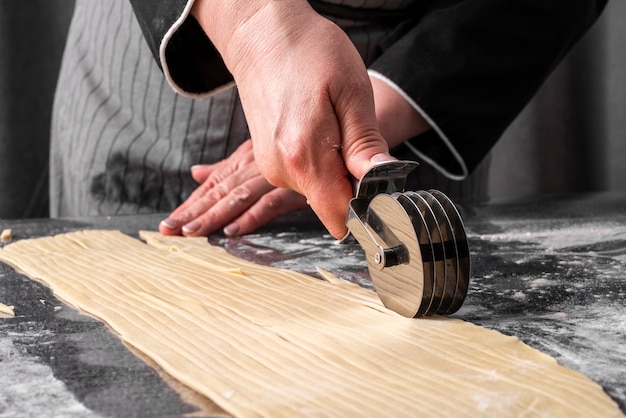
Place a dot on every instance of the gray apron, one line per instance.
(122, 142)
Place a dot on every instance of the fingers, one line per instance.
(201, 172)
(235, 179)
(362, 143)
(271, 205)
(330, 190)
(232, 195)
(241, 212)
(331, 206)
(360, 156)
(210, 208)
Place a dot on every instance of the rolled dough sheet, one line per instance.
(262, 341)
(6, 311)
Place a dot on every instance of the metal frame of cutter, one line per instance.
(414, 241)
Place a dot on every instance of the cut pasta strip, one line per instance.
(262, 341)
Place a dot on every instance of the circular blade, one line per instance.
(433, 252)
(460, 238)
(402, 288)
(448, 252)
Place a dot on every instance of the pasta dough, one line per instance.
(261, 341)
(6, 311)
(5, 235)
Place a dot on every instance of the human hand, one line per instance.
(306, 95)
(232, 194)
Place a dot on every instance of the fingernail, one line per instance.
(170, 223)
(192, 227)
(195, 167)
(381, 158)
(231, 229)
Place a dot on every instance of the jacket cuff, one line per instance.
(190, 62)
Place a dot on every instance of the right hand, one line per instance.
(307, 98)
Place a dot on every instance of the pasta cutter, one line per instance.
(414, 241)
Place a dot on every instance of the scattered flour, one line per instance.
(28, 382)
(557, 238)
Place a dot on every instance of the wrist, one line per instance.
(243, 30)
(220, 18)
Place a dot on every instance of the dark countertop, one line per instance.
(551, 271)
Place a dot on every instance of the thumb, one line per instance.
(201, 172)
(362, 143)
(364, 153)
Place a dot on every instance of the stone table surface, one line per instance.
(548, 270)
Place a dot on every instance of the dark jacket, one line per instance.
(469, 65)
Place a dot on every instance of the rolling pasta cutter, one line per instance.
(414, 241)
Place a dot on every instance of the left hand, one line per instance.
(232, 195)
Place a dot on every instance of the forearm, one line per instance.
(398, 120)
(221, 18)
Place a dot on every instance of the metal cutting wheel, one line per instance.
(414, 241)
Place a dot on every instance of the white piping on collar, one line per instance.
(435, 127)
(166, 71)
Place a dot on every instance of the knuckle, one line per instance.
(216, 193)
(251, 220)
(239, 195)
(272, 201)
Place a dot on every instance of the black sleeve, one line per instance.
(470, 66)
(187, 57)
